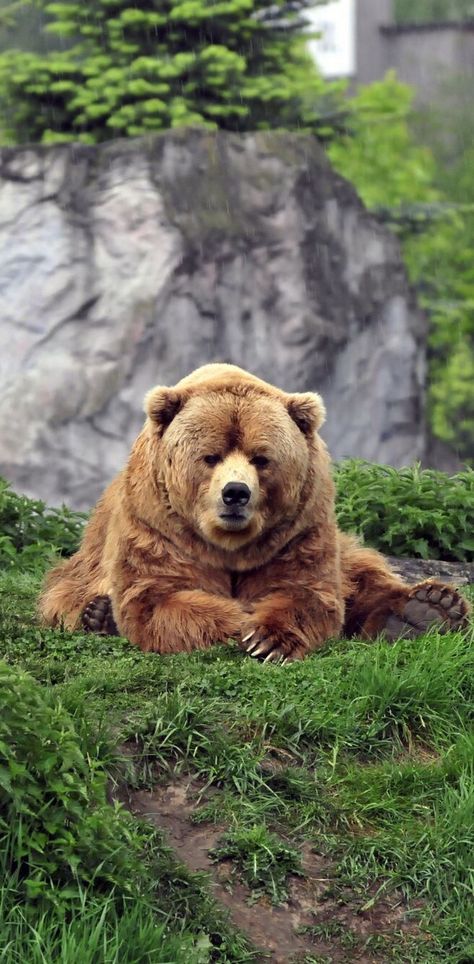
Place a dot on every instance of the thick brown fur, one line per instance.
(184, 570)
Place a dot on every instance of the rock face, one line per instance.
(415, 570)
(129, 264)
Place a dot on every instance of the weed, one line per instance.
(262, 860)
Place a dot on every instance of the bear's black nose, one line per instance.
(236, 493)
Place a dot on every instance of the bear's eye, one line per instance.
(212, 459)
(260, 461)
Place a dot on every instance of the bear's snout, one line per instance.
(230, 511)
(236, 494)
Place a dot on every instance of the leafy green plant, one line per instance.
(29, 531)
(408, 512)
(239, 65)
(261, 859)
(379, 153)
(428, 198)
(433, 11)
(441, 263)
(56, 828)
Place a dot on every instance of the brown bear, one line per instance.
(222, 525)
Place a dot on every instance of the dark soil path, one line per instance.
(314, 924)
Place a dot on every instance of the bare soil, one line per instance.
(318, 922)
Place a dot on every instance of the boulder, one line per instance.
(128, 264)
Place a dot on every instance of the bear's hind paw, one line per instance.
(97, 617)
(429, 605)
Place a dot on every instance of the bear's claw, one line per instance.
(97, 617)
(271, 647)
(428, 605)
(275, 656)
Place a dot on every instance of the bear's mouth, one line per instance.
(234, 520)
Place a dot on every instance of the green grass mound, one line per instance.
(261, 859)
(361, 756)
(374, 745)
(73, 881)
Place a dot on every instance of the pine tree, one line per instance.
(132, 69)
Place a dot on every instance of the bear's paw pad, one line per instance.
(97, 617)
(429, 605)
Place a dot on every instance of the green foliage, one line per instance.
(99, 932)
(441, 263)
(363, 752)
(402, 181)
(451, 391)
(408, 512)
(56, 829)
(379, 154)
(433, 11)
(261, 859)
(30, 532)
(237, 64)
(79, 876)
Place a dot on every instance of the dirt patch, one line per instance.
(317, 922)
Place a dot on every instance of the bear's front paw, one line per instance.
(272, 645)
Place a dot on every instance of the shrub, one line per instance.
(57, 832)
(29, 531)
(408, 512)
(413, 190)
(81, 880)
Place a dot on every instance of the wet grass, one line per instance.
(363, 752)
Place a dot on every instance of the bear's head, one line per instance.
(234, 455)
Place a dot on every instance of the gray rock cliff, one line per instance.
(131, 263)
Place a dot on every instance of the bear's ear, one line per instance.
(163, 404)
(307, 410)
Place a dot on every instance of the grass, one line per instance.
(261, 860)
(364, 753)
(361, 756)
(97, 934)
